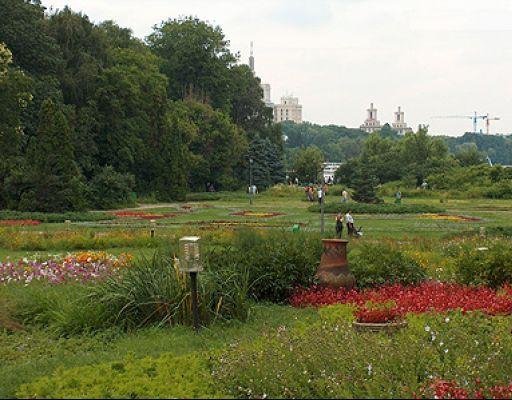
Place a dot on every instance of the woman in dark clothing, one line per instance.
(339, 225)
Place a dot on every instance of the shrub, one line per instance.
(110, 189)
(55, 217)
(276, 262)
(379, 264)
(153, 291)
(386, 208)
(489, 263)
(186, 376)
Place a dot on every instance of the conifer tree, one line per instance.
(52, 180)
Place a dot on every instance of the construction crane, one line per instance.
(487, 121)
(473, 117)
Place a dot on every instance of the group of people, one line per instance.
(321, 191)
(349, 221)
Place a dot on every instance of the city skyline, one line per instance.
(337, 57)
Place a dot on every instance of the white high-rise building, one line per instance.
(371, 123)
(264, 86)
(399, 124)
(288, 110)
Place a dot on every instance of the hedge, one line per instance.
(386, 208)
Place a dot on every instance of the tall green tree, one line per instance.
(52, 181)
(307, 164)
(196, 60)
(15, 95)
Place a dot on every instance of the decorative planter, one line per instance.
(388, 327)
(333, 270)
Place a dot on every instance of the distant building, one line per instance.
(330, 169)
(288, 110)
(264, 86)
(371, 123)
(399, 124)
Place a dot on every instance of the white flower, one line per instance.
(369, 369)
(441, 344)
(446, 350)
(447, 320)
(427, 328)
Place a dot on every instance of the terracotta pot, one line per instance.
(388, 327)
(333, 270)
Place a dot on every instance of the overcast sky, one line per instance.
(432, 57)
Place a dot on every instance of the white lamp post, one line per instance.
(190, 261)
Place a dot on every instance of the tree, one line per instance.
(196, 60)
(365, 184)
(15, 95)
(267, 167)
(51, 181)
(308, 164)
(216, 148)
(467, 154)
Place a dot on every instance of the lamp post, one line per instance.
(322, 194)
(152, 223)
(190, 261)
(251, 189)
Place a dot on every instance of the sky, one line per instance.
(431, 57)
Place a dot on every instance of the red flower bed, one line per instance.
(442, 389)
(429, 296)
(141, 215)
(19, 222)
(370, 313)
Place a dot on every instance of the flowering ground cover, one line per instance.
(19, 222)
(142, 215)
(426, 297)
(449, 217)
(80, 267)
(258, 214)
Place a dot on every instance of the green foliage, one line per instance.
(313, 362)
(307, 164)
(379, 264)
(56, 217)
(52, 179)
(276, 262)
(386, 208)
(155, 292)
(110, 189)
(167, 376)
(484, 263)
(267, 166)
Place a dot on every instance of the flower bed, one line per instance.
(449, 389)
(142, 215)
(257, 214)
(80, 267)
(448, 217)
(417, 299)
(19, 222)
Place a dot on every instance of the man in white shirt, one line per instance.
(350, 223)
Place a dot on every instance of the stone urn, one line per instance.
(333, 270)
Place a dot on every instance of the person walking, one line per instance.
(320, 194)
(344, 196)
(398, 196)
(339, 225)
(349, 220)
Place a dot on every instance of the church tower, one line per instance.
(399, 124)
(371, 123)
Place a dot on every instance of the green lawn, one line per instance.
(28, 355)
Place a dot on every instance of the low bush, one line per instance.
(283, 190)
(330, 360)
(379, 264)
(186, 376)
(111, 189)
(386, 208)
(276, 262)
(56, 217)
(486, 262)
(153, 291)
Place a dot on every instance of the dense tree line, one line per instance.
(91, 114)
